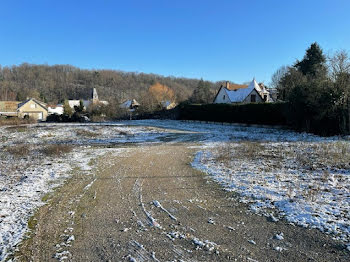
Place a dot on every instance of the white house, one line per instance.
(167, 105)
(55, 109)
(130, 105)
(251, 94)
(73, 103)
(87, 103)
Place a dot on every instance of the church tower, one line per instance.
(94, 96)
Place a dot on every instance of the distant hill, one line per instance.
(58, 82)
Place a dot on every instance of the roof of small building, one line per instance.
(42, 104)
(9, 106)
(54, 106)
(129, 103)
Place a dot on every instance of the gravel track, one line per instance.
(149, 204)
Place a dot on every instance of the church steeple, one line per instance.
(94, 96)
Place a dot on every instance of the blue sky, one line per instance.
(215, 40)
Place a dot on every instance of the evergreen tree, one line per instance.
(67, 110)
(313, 63)
(202, 94)
(80, 108)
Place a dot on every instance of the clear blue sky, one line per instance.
(215, 40)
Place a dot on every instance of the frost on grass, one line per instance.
(308, 183)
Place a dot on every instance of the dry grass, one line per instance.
(243, 150)
(250, 150)
(86, 133)
(56, 149)
(323, 155)
(15, 121)
(224, 153)
(19, 128)
(19, 150)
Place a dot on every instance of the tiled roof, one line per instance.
(236, 86)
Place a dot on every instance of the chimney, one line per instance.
(227, 85)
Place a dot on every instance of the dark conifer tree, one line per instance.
(313, 63)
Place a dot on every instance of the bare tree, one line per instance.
(277, 76)
(339, 64)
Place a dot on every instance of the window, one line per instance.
(223, 97)
(253, 98)
(265, 98)
(33, 106)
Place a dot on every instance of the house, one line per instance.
(55, 109)
(94, 101)
(8, 108)
(167, 105)
(131, 105)
(32, 108)
(73, 103)
(253, 93)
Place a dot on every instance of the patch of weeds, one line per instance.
(46, 197)
(49, 135)
(327, 155)
(32, 222)
(304, 160)
(56, 149)
(15, 121)
(246, 150)
(19, 129)
(92, 162)
(224, 153)
(86, 133)
(325, 176)
(19, 150)
(123, 133)
(3, 138)
(250, 149)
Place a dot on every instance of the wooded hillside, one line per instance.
(53, 84)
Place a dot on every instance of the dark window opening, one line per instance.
(253, 98)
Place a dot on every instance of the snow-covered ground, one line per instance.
(280, 183)
(307, 183)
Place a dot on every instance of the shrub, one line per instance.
(85, 133)
(56, 149)
(19, 150)
(255, 113)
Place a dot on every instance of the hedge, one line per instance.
(255, 113)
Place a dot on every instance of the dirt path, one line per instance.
(150, 205)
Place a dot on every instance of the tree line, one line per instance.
(317, 90)
(54, 84)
